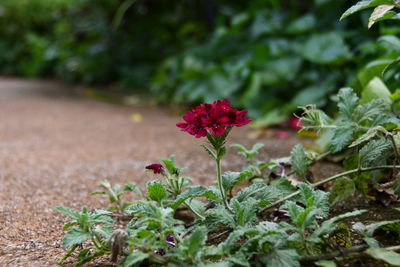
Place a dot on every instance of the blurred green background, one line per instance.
(269, 56)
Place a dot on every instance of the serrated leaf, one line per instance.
(248, 153)
(131, 187)
(342, 189)
(75, 236)
(134, 258)
(370, 110)
(330, 225)
(209, 151)
(231, 179)
(245, 212)
(385, 255)
(70, 212)
(325, 263)
(220, 216)
(361, 5)
(342, 137)
(313, 118)
(195, 242)
(380, 13)
(193, 192)
(348, 101)
(299, 161)
(373, 152)
(282, 258)
(261, 192)
(368, 135)
(156, 191)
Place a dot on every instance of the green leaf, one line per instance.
(314, 118)
(299, 161)
(330, 225)
(375, 89)
(156, 191)
(371, 110)
(325, 263)
(248, 153)
(381, 12)
(75, 236)
(391, 65)
(195, 242)
(361, 5)
(348, 101)
(231, 179)
(136, 257)
(382, 254)
(245, 212)
(131, 187)
(342, 189)
(368, 135)
(342, 137)
(326, 48)
(392, 40)
(372, 152)
(261, 192)
(192, 192)
(72, 213)
(282, 258)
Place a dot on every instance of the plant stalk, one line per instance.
(358, 170)
(221, 188)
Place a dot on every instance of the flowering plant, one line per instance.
(214, 121)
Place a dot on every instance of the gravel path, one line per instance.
(56, 146)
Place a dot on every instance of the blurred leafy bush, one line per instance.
(273, 56)
(268, 56)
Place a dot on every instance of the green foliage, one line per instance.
(300, 162)
(249, 154)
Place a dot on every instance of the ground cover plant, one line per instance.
(228, 226)
(273, 212)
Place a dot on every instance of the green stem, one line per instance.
(195, 212)
(221, 188)
(396, 150)
(70, 251)
(331, 179)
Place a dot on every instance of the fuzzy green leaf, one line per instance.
(373, 152)
(385, 255)
(136, 257)
(299, 161)
(370, 110)
(324, 263)
(342, 137)
(282, 258)
(342, 189)
(195, 242)
(70, 212)
(330, 225)
(348, 101)
(248, 153)
(231, 179)
(75, 236)
(131, 187)
(314, 118)
(193, 192)
(245, 212)
(156, 191)
(368, 135)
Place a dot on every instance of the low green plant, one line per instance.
(228, 225)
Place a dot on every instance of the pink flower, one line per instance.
(213, 118)
(282, 134)
(156, 168)
(294, 123)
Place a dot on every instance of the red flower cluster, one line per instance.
(155, 167)
(213, 118)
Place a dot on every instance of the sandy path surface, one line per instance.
(56, 146)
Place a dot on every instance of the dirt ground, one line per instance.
(57, 145)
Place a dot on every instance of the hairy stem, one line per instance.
(70, 251)
(358, 170)
(221, 188)
(201, 217)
